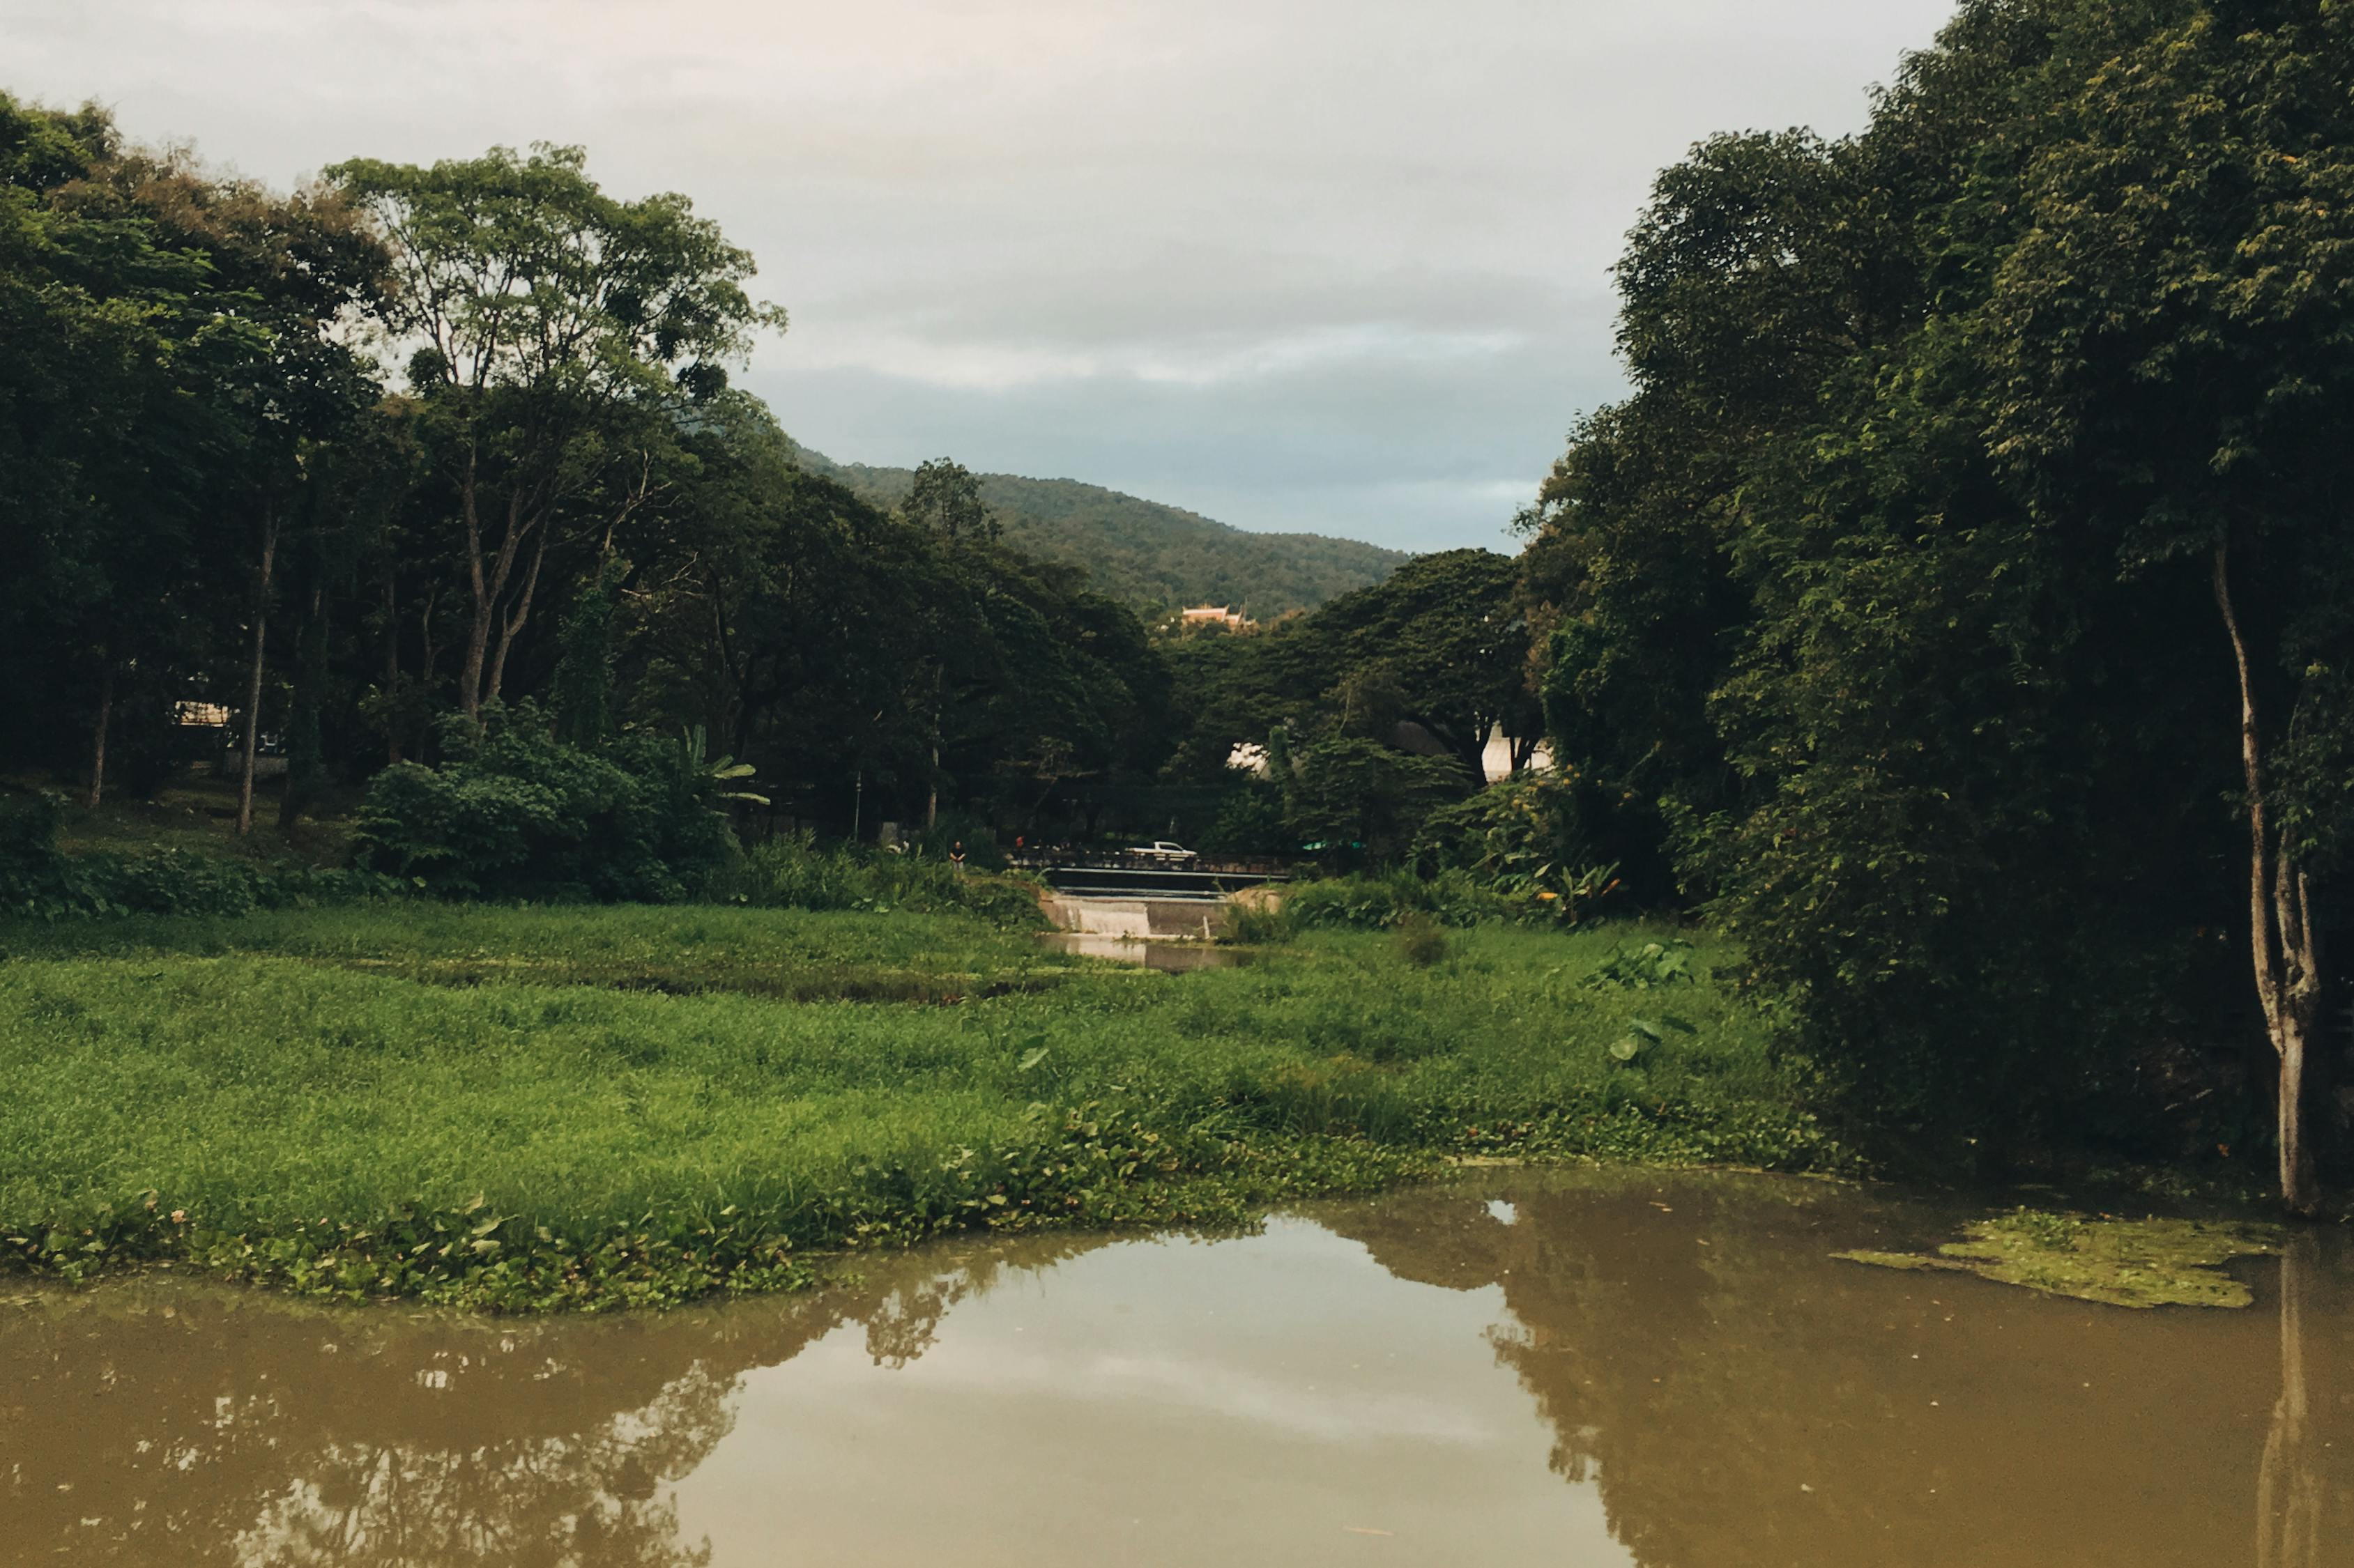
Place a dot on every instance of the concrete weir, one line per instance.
(1137, 920)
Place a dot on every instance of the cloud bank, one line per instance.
(1295, 264)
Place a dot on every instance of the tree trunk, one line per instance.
(487, 582)
(97, 792)
(513, 622)
(306, 762)
(430, 660)
(932, 801)
(253, 687)
(2285, 946)
(391, 670)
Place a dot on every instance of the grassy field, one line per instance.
(534, 1107)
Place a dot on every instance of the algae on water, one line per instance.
(2123, 1263)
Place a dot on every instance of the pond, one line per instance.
(1598, 1369)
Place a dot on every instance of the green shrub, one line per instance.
(792, 872)
(1257, 923)
(1525, 837)
(519, 814)
(1379, 902)
(38, 879)
(1421, 940)
(30, 865)
(955, 829)
(1651, 965)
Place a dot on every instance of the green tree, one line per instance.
(2173, 334)
(549, 329)
(1359, 800)
(1442, 642)
(945, 497)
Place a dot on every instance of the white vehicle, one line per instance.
(1161, 849)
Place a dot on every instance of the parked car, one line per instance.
(1161, 849)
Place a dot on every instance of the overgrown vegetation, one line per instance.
(490, 1107)
(793, 872)
(39, 879)
(2118, 1262)
(515, 813)
(1957, 602)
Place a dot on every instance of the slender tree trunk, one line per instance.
(486, 581)
(306, 762)
(518, 616)
(2285, 946)
(96, 791)
(932, 802)
(478, 630)
(391, 670)
(430, 653)
(253, 687)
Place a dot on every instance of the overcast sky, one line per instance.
(1333, 265)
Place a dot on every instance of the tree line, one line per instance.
(423, 443)
(377, 465)
(1956, 611)
(1959, 600)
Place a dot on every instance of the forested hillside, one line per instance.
(1147, 554)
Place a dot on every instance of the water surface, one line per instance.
(1582, 1370)
(1169, 958)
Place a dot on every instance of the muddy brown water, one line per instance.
(1520, 1368)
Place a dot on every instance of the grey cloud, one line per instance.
(1331, 264)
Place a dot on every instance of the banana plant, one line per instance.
(720, 778)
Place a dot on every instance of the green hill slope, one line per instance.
(1150, 555)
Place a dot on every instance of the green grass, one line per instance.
(496, 1106)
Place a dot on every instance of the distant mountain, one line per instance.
(1150, 555)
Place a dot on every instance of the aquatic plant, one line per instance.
(2119, 1262)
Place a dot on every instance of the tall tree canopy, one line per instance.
(1975, 531)
(549, 329)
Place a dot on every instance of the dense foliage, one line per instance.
(1902, 594)
(1148, 555)
(429, 439)
(1958, 613)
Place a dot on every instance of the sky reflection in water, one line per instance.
(1599, 1369)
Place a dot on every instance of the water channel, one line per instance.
(1582, 1370)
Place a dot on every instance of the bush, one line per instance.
(1254, 922)
(792, 873)
(29, 861)
(519, 814)
(37, 879)
(1421, 940)
(1524, 836)
(1379, 903)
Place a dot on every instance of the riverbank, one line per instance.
(526, 1109)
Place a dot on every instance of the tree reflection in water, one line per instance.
(2292, 1492)
(1741, 1400)
(1736, 1398)
(147, 1424)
